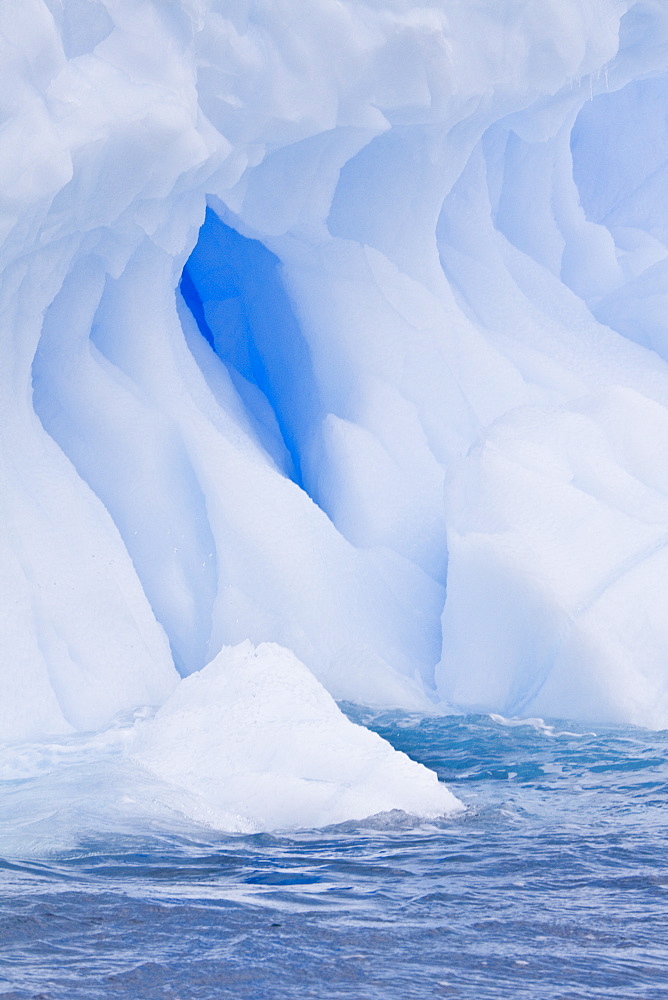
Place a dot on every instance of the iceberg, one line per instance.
(341, 330)
(254, 740)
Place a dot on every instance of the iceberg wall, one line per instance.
(340, 329)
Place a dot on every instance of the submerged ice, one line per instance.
(342, 330)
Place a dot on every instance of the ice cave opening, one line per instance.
(233, 287)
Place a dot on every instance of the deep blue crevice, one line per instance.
(194, 303)
(234, 290)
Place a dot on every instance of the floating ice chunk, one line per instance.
(257, 743)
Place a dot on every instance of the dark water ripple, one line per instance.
(553, 886)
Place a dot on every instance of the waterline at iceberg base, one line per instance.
(334, 376)
(551, 885)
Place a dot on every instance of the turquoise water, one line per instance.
(553, 884)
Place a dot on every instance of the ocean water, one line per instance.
(553, 884)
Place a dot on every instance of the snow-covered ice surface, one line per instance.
(342, 328)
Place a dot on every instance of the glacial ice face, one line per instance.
(394, 409)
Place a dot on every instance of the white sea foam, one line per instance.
(538, 724)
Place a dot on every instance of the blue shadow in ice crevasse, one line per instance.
(234, 290)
